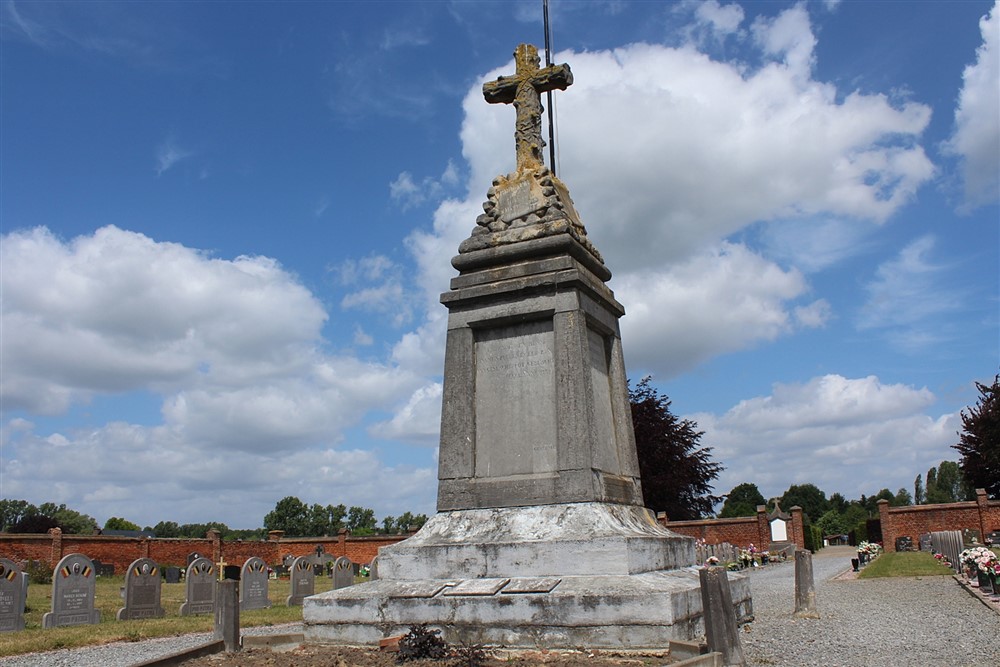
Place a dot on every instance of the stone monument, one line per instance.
(143, 586)
(74, 586)
(541, 538)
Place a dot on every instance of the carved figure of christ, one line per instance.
(524, 90)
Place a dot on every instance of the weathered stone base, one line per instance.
(601, 575)
(612, 612)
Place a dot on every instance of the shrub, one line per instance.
(39, 572)
(422, 643)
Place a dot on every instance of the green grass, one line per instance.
(904, 564)
(107, 599)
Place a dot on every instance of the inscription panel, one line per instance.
(606, 455)
(515, 400)
(518, 199)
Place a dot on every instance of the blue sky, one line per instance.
(225, 228)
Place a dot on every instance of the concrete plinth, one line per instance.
(587, 574)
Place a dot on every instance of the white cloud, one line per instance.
(408, 193)
(817, 244)
(716, 302)
(168, 154)
(418, 420)
(977, 118)
(908, 296)
(387, 295)
(157, 474)
(844, 435)
(723, 19)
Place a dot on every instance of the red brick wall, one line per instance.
(121, 551)
(740, 532)
(913, 521)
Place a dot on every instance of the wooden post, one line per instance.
(805, 586)
(721, 629)
(227, 614)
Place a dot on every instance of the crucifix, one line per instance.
(222, 568)
(523, 89)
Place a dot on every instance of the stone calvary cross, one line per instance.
(524, 90)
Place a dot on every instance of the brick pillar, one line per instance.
(56, 550)
(143, 548)
(798, 527)
(763, 528)
(888, 530)
(342, 542)
(274, 541)
(216, 538)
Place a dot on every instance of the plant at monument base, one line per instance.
(469, 655)
(422, 643)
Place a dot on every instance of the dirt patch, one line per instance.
(339, 656)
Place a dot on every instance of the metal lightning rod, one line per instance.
(548, 94)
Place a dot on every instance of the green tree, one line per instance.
(832, 523)
(979, 440)
(12, 511)
(167, 529)
(361, 520)
(918, 491)
(742, 501)
(949, 484)
(931, 488)
(118, 523)
(408, 521)
(807, 496)
(71, 521)
(838, 502)
(676, 471)
(902, 498)
(290, 515)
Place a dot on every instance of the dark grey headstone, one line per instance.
(925, 542)
(303, 580)
(253, 585)
(172, 574)
(13, 594)
(343, 573)
(142, 591)
(193, 556)
(200, 582)
(904, 543)
(73, 588)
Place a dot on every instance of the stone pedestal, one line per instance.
(541, 539)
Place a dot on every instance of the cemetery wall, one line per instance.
(981, 515)
(122, 551)
(740, 531)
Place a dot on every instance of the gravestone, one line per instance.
(994, 537)
(949, 543)
(172, 574)
(143, 584)
(538, 475)
(343, 573)
(373, 569)
(192, 557)
(971, 537)
(303, 579)
(200, 584)
(254, 585)
(73, 587)
(904, 543)
(104, 569)
(232, 572)
(13, 595)
(925, 542)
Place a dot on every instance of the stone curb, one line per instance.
(974, 592)
(713, 659)
(217, 646)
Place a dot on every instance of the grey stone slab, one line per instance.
(143, 584)
(530, 585)
(419, 589)
(73, 588)
(254, 582)
(199, 581)
(343, 573)
(303, 578)
(477, 587)
(13, 594)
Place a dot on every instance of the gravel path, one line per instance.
(927, 621)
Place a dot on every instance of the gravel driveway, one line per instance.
(925, 621)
